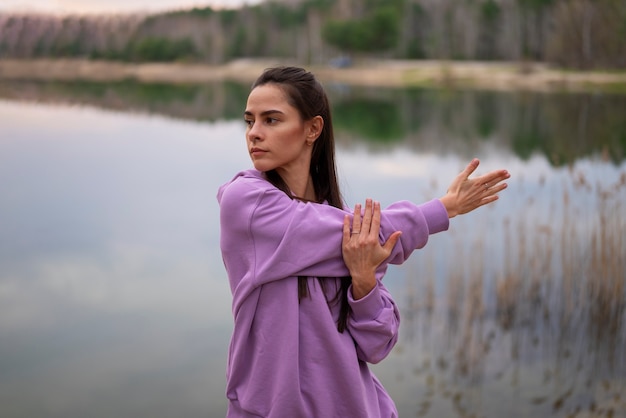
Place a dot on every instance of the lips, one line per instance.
(257, 151)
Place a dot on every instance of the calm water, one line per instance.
(113, 297)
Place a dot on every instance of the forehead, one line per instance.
(268, 97)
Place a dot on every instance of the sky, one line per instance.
(112, 6)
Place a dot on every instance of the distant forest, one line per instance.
(577, 34)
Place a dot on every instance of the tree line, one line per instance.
(581, 34)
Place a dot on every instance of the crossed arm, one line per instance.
(362, 250)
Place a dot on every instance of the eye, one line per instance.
(271, 121)
(248, 122)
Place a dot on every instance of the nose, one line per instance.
(254, 133)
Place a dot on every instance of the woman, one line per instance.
(310, 310)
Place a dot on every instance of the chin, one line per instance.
(262, 167)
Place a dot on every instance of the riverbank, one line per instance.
(490, 76)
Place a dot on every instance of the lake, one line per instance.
(114, 301)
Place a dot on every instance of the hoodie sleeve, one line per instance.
(374, 323)
(266, 235)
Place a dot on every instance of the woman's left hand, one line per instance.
(362, 251)
(465, 194)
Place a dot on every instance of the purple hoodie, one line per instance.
(286, 358)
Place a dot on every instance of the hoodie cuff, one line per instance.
(368, 307)
(436, 216)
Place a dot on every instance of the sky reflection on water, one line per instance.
(114, 300)
(112, 290)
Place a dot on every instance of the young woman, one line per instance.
(310, 309)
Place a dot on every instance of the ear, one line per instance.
(314, 129)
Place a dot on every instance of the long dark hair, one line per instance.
(307, 95)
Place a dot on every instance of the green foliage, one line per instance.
(418, 11)
(260, 40)
(583, 34)
(227, 16)
(339, 34)
(202, 11)
(489, 10)
(161, 49)
(373, 5)
(486, 109)
(236, 97)
(385, 27)
(528, 131)
(70, 48)
(40, 49)
(155, 93)
(143, 94)
(110, 55)
(535, 4)
(374, 120)
(286, 16)
(320, 5)
(415, 37)
(415, 50)
(489, 30)
(237, 46)
(376, 32)
(196, 11)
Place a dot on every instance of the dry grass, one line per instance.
(556, 305)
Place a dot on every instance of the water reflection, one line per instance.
(113, 297)
(563, 127)
(112, 293)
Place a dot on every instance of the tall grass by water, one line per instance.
(540, 322)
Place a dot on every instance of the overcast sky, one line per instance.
(112, 6)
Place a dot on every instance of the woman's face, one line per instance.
(277, 137)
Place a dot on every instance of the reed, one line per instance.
(549, 319)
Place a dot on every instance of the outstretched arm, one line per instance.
(465, 194)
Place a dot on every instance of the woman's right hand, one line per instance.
(362, 251)
(465, 194)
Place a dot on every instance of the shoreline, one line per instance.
(452, 74)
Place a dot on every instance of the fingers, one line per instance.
(363, 224)
(471, 167)
(370, 224)
(356, 221)
(489, 180)
(486, 201)
(492, 178)
(497, 188)
(346, 230)
(375, 225)
(361, 246)
(391, 242)
(366, 225)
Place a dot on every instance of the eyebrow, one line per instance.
(264, 113)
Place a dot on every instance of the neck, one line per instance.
(301, 186)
